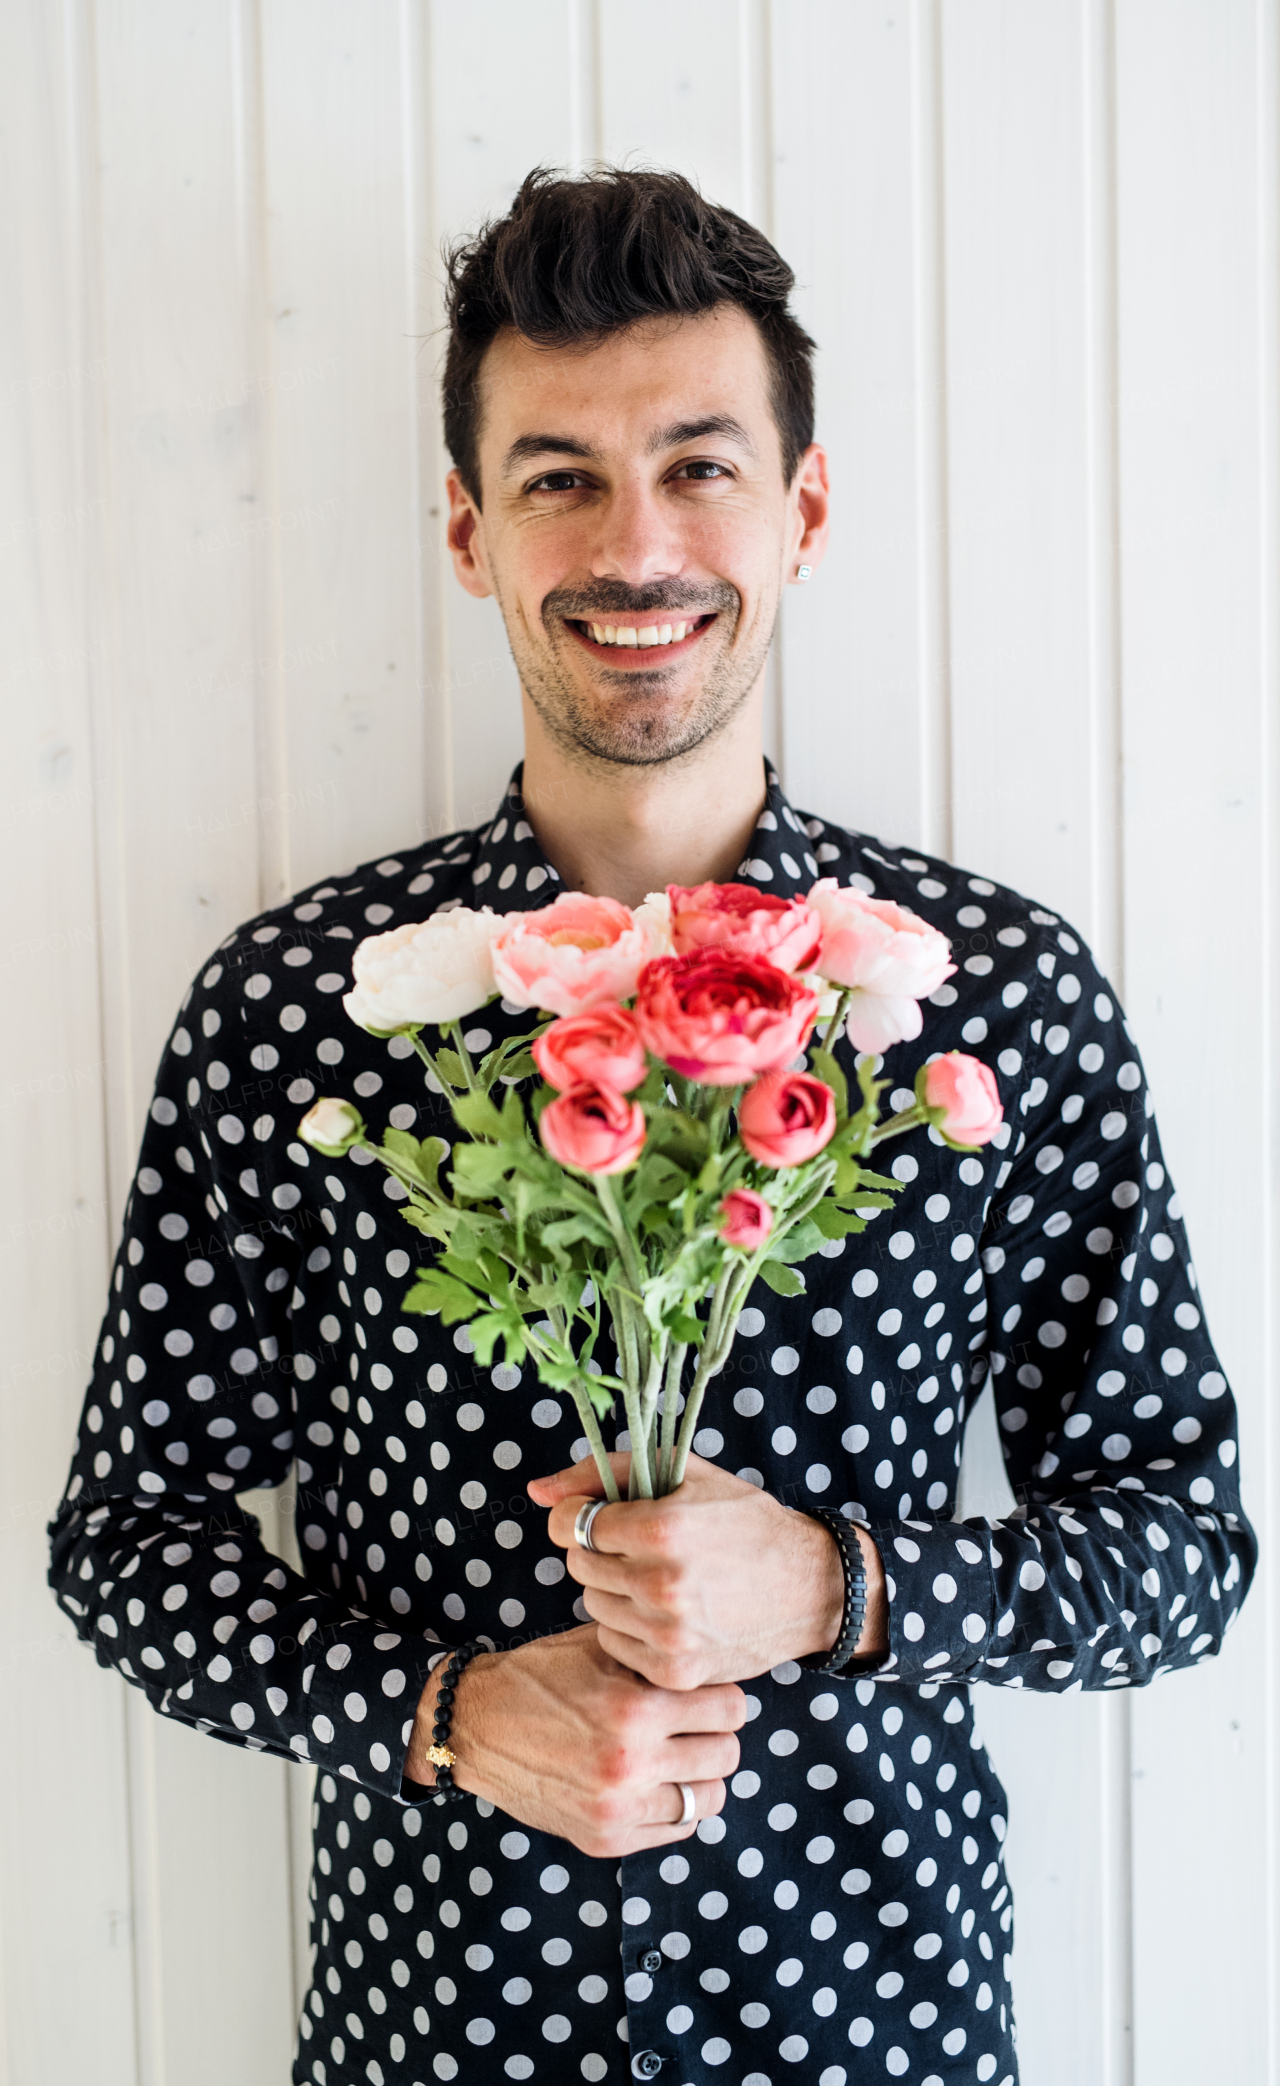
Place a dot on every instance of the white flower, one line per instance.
(436, 971)
(654, 915)
(330, 1125)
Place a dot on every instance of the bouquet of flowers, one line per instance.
(679, 1146)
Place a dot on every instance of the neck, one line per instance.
(620, 831)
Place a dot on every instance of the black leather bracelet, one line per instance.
(440, 1753)
(855, 1593)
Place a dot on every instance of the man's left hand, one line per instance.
(716, 1582)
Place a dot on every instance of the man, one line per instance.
(628, 405)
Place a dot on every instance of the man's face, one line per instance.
(636, 529)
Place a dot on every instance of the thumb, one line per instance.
(580, 1481)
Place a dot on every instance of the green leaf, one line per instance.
(452, 1067)
(788, 1282)
(521, 1066)
(835, 1223)
(798, 1243)
(680, 1136)
(506, 1325)
(477, 1114)
(656, 1179)
(824, 1064)
(434, 1291)
(682, 1327)
(480, 1169)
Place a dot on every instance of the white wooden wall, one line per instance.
(1039, 245)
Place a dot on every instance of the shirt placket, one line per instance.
(649, 1978)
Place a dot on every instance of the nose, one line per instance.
(638, 541)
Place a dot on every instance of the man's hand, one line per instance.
(559, 1735)
(716, 1582)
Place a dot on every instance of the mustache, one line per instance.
(611, 597)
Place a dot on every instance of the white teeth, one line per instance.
(649, 634)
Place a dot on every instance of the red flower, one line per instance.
(602, 1048)
(721, 1018)
(745, 1219)
(746, 919)
(786, 1117)
(593, 1129)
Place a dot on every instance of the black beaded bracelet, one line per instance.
(855, 1593)
(440, 1753)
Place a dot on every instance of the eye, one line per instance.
(702, 471)
(557, 482)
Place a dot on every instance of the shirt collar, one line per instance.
(510, 869)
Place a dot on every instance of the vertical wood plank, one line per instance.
(1266, 1485)
(489, 126)
(344, 363)
(1021, 500)
(1017, 371)
(65, 1872)
(672, 97)
(1189, 429)
(180, 864)
(844, 217)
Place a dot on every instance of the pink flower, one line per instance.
(886, 955)
(577, 953)
(967, 1089)
(600, 1048)
(786, 1117)
(784, 931)
(746, 1219)
(721, 1018)
(593, 1130)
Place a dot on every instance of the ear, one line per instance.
(810, 524)
(465, 535)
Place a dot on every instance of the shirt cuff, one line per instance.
(940, 1581)
(362, 1696)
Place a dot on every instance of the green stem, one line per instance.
(670, 1402)
(454, 1029)
(618, 1226)
(837, 1020)
(446, 1085)
(595, 1440)
(402, 1173)
(908, 1119)
(586, 1412)
(730, 1290)
(649, 1406)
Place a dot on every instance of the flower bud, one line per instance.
(331, 1127)
(745, 1219)
(965, 1090)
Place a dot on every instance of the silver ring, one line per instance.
(582, 1523)
(689, 1804)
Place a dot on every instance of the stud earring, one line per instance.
(805, 572)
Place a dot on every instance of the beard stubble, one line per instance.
(632, 727)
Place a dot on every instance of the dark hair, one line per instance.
(578, 258)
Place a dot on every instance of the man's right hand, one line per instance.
(560, 1736)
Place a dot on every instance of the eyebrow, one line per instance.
(526, 447)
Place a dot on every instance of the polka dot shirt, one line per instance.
(848, 1916)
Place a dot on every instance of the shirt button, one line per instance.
(651, 1960)
(646, 2065)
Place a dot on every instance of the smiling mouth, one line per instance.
(624, 642)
